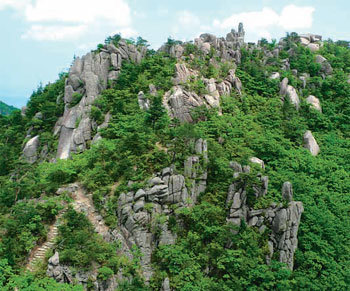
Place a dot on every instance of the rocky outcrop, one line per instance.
(180, 102)
(310, 143)
(311, 41)
(326, 68)
(144, 103)
(281, 221)
(63, 274)
(144, 214)
(225, 48)
(288, 91)
(87, 78)
(30, 150)
(314, 102)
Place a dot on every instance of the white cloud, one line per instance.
(117, 12)
(260, 22)
(61, 20)
(54, 32)
(294, 17)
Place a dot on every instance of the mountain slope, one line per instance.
(212, 164)
(6, 109)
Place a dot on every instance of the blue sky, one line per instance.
(40, 37)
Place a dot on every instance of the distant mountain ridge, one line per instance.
(6, 109)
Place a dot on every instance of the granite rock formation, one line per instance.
(30, 150)
(87, 78)
(282, 221)
(288, 91)
(179, 101)
(314, 102)
(310, 143)
(144, 214)
(311, 41)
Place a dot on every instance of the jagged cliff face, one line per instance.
(282, 221)
(92, 74)
(88, 77)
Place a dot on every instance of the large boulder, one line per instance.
(314, 102)
(326, 68)
(30, 150)
(314, 47)
(310, 143)
(293, 97)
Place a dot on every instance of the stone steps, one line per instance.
(39, 253)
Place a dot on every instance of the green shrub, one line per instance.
(76, 97)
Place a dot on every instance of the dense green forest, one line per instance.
(253, 123)
(6, 109)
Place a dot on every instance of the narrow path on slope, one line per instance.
(38, 253)
(84, 204)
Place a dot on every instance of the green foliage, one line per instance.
(76, 97)
(113, 39)
(201, 260)
(96, 114)
(6, 109)
(79, 245)
(24, 227)
(136, 144)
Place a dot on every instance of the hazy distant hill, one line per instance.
(6, 109)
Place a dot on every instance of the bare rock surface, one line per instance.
(310, 143)
(282, 221)
(314, 102)
(88, 77)
(30, 150)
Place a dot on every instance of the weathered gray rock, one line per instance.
(143, 101)
(325, 65)
(23, 110)
(293, 96)
(282, 222)
(275, 75)
(166, 285)
(256, 160)
(183, 74)
(89, 76)
(288, 91)
(283, 86)
(305, 41)
(30, 150)
(314, 47)
(287, 191)
(63, 274)
(179, 103)
(314, 102)
(310, 143)
(143, 216)
(176, 51)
